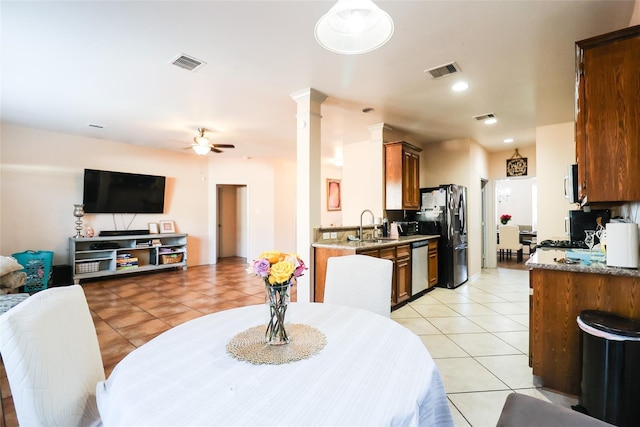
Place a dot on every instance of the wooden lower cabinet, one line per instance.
(402, 270)
(400, 255)
(558, 298)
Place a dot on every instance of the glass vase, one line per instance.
(277, 300)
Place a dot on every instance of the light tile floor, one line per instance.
(478, 335)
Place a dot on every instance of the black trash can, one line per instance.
(610, 386)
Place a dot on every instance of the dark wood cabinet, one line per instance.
(608, 116)
(400, 255)
(433, 263)
(402, 175)
(403, 273)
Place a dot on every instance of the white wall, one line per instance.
(514, 196)
(41, 178)
(362, 181)
(555, 148)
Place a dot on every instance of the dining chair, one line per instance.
(52, 358)
(522, 410)
(359, 281)
(509, 241)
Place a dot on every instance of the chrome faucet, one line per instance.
(373, 221)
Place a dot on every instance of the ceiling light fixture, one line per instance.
(508, 140)
(201, 139)
(201, 149)
(490, 121)
(460, 86)
(354, 26)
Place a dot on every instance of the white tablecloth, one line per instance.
(372, 371)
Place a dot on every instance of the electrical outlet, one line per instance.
(334, 235)
(326, 235)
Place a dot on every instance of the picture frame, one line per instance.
(154, 228)
(334, 196)
(167, 226)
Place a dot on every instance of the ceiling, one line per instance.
(69, 65)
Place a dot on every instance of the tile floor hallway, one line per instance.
(476, 333)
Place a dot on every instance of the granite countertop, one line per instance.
(546, 259)
(382, 242)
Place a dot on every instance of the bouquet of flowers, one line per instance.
(279, 271)
(505, 218)
(277, 268)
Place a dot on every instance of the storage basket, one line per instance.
(171, 258)
(87, 267)
(37, 266)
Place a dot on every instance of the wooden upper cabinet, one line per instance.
(402, 175)
(608, 116)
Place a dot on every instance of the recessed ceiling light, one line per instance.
(490, 121)
(508, 140)
(460, 86)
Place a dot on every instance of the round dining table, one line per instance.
(372, 371)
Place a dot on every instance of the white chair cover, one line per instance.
(509, 238)
(359, 281)
(52, 357)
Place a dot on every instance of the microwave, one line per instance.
(571, 184)
(579, 221)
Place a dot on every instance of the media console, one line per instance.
(92, 257)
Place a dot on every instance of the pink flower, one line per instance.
(299, 271)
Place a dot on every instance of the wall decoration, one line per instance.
(167, 226)
(334, 203)
(154, 228)
(517, 165)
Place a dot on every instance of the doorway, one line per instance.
(231, 221)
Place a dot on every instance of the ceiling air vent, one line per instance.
(187, 62)
(483, 117)
(444, 70)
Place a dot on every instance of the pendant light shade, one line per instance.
(354, 26)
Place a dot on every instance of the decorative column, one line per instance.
(308, 194)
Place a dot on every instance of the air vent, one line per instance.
(483, 117)
(444, 70)
(187, 62)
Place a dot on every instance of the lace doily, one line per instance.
(306, 341)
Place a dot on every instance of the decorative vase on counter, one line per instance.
(277, 300)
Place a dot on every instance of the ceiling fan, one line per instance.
(202, 146)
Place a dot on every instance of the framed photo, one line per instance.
(167, 226)
(154, 228)
(334, 201)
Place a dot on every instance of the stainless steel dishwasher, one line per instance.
(419, 266)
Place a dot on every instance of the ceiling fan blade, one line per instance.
(215, 150)
(224, 145)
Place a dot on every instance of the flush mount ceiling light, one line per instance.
(508, 140)
(460, 87)
(354, 26)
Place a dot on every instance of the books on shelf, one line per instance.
(126, 261)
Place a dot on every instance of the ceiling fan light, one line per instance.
(201, 140)
(354, 26)
(201, 149)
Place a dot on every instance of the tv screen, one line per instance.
(119, 192)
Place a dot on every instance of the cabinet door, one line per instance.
(607, 125)
(390, 254)
(433, 263)
(410, 180)
(403, 279)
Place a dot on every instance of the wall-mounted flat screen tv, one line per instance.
(120, 192)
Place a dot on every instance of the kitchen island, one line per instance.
(397, 250)
(559, 293)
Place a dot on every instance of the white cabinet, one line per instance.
(106, 256)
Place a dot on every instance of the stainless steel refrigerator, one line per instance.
(444, 208)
